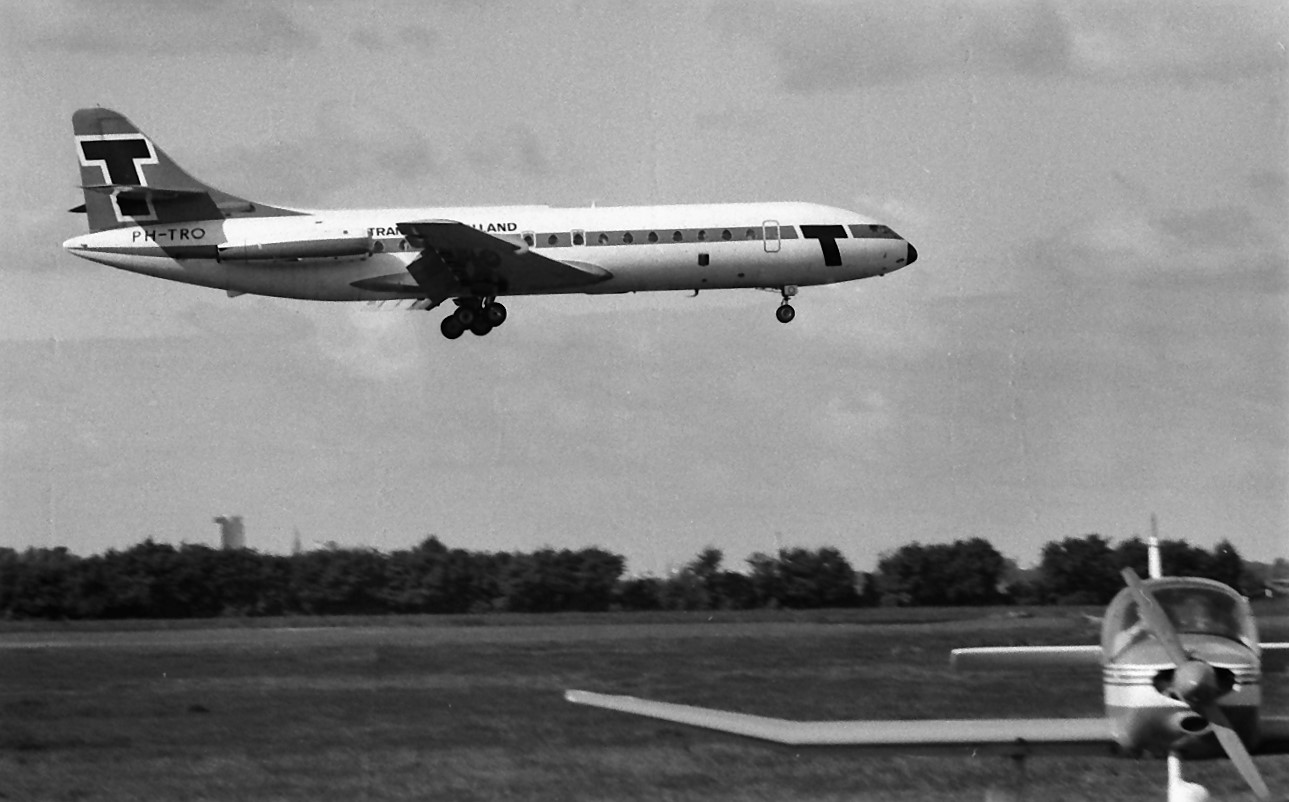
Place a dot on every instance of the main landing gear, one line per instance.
(785, 313)
(478, 316)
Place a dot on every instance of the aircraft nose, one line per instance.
(913, 254)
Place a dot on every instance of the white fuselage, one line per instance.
(644, 248)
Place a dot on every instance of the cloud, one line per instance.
(176, 28)
(829, 46)
(347, 151)
(377, 39)
(1167, 41)
(844, 422)
(1221, 247)
(1270, 188)
(376, 345)
(358, 155)
(247, 319)
(515, 148)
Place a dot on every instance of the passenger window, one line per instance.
(653, 236)
(627, 238)
(579, 238)
(377, 246)
(725, 235)
(749, 234)
(553, 239)
(528, 238)
(676, 236)
(603, 239)
(702, 235)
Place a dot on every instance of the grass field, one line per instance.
(472, 709)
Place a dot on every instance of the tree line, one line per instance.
(158, 580)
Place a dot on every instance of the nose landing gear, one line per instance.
(785, 313)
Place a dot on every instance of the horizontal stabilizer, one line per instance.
(136, 192)
(953, 736)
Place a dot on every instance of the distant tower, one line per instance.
(232, 535)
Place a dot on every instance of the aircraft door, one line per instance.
(770, 235)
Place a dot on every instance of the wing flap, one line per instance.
(955, 736)
(991, 658)
(481, 263)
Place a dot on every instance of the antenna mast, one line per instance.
(1152, 549)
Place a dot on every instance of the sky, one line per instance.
(1095, 329)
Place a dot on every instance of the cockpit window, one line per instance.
(1199, 611)
(871, 231)
(1192, 610)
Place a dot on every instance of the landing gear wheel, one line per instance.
(451, 327)
(480, 326)
(495, 314)
(465, 315)
(785, 313)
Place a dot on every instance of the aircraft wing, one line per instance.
(1275, 735)
(457, 259)
(1021, 657)
(1275, 657)
(969, 736)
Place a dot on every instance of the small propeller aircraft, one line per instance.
(1181, 668)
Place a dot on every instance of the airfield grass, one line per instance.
(472, 709)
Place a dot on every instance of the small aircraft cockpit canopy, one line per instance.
(1195, 606)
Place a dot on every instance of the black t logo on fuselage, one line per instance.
(827, 236)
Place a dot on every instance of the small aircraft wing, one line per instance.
(969, 736)
(457, 259)
(987, 658)
(1274, 731)
(1275, 657)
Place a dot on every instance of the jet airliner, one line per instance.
(147, 215)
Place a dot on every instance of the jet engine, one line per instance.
(322, 245)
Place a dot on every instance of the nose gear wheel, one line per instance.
(785, 313)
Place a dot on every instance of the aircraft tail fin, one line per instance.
(129, 180)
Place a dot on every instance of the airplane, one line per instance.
(1174, 681)
(149, 216)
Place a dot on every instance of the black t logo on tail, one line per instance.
(827, 236)
(120, 158)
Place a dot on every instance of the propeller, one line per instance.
(1195, 683)
(1235, 749)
